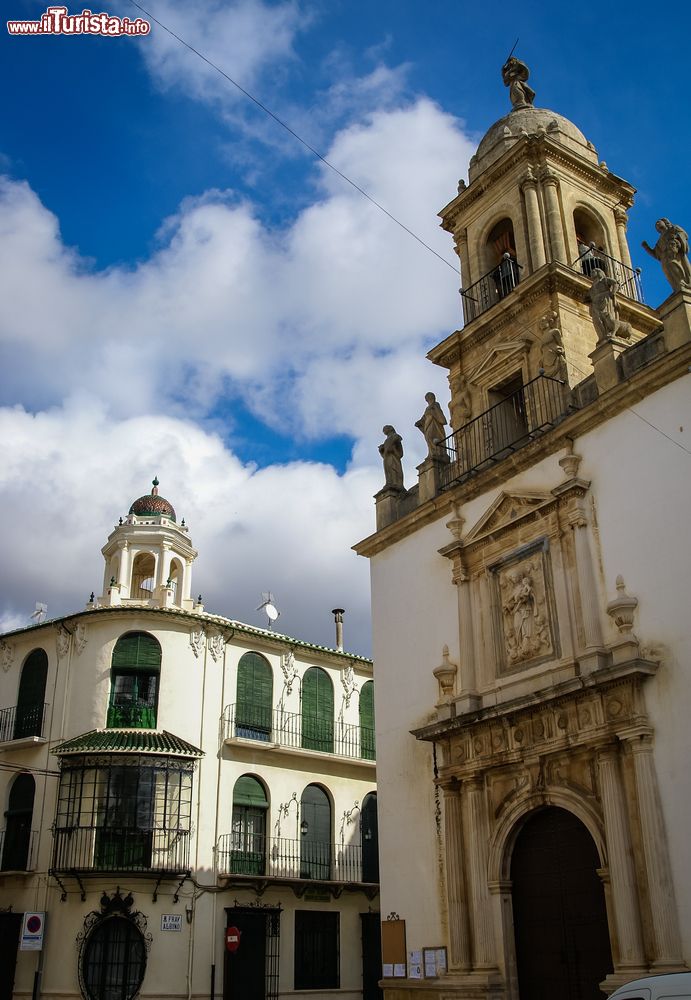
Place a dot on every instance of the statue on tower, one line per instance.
(391, 451)
(672, 250)
(432, 424)
(514, 74)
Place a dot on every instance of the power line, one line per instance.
(291, 131)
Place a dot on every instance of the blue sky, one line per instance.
(188, 293)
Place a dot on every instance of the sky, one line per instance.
(186, 291)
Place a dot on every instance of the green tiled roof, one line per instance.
(129, 741)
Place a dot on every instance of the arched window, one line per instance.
(254, 697)
(135, 669)
(317, 711)
(28, 720)
(366, 710)
(590, 239)
(143, 576)
(18, 816)
(370, 839)
(114, 960)
(175, 579)
(250, 807)
(315, 833)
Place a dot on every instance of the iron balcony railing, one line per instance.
(22, 721)
(18, 849)
(490, 288)
(504, 428)
(291, 729)
(281, 857)
(628, 278)
(117, 849)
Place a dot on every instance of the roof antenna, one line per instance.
(269, 608)
(40, 613)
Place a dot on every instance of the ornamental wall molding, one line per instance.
(62, 642)
(6, 655)
(80, 638)
(289, 670)
(197, 639)
(348, 682)
(216, 645)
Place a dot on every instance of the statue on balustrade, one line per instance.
(672, 250)
(432, 424)
(391, 451)
(604, 308)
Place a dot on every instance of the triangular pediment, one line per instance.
(497, 359)
(508, 508)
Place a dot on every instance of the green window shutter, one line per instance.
(137, 649)
(254, 697)
(317, 711)
(367, 745)
(28, 719)
(249, 792)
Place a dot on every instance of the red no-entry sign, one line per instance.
(232, 938)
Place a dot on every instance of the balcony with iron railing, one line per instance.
(293, 731)
(510, 424)
(120, 849)
(628, 278)
(18, 846)
(23, 724)
(257, 855)
(490, 288)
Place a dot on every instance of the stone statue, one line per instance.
(672, 250)
(432, 424)
(604, 308)
(552, 354)
(461, 402)
(391, 451)
(514, 74)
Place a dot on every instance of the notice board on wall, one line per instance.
(394, 955)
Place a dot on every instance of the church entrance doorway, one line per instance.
(560, 920)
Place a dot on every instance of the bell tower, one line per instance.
(541, 220)
(148, 557)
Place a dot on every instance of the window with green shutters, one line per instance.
(250, 807)
(315, 833)
(254, 698)
(317, 711)
(28, 720)
(367, 747)
(135, 668)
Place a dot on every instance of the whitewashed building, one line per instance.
(189, 802)
(530, 597)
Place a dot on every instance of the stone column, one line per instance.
(532, 211)
(460, 240)
(163, 564)
(621, 870)
(477, 838)
(550, 184)
(124, 567)
(663, 906)
(621, 219)
(459, 935)
(587, 589)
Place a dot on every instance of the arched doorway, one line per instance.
(560, 920)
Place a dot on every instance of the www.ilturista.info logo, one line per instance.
(56, 21)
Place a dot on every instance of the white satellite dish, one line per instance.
(40, 613)
(269, 608)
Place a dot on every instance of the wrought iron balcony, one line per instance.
(136, 715)
(116, 849)
(510, 424)
(22, 722)
(628, 278)
(290, 729)
(283, 858)
(18, 849)
(490, 288)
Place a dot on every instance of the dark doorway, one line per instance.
(560, 921)
(315, 833)
(370, 839)
(251, 972)
(508, 421)
(18, 816)
(371, 956)
(10, 925)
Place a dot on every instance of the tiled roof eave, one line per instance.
(140, 741)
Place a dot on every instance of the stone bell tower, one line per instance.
(540, 222)
(149, 558)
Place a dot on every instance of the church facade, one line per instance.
(533, 700)
(189, 802)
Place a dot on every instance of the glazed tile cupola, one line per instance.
(148, 557)
(540, 215)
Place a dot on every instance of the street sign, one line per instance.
(171, 921)
(232, 938)
(33, 928)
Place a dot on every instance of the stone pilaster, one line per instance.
(429, 477)
(460, 240)
(621, 869)
(591, 658)
(477, 838)
(663, 907)
(620, 221)
(459, 934)
(550, 185)
(532, 211)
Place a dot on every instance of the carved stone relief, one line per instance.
(216, 644)
(6, 655)
(525, 611)
(197, 638)
(62, 642)
(80, 638)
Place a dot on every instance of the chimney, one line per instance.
(338, 618)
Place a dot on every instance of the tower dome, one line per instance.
(152, 505)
